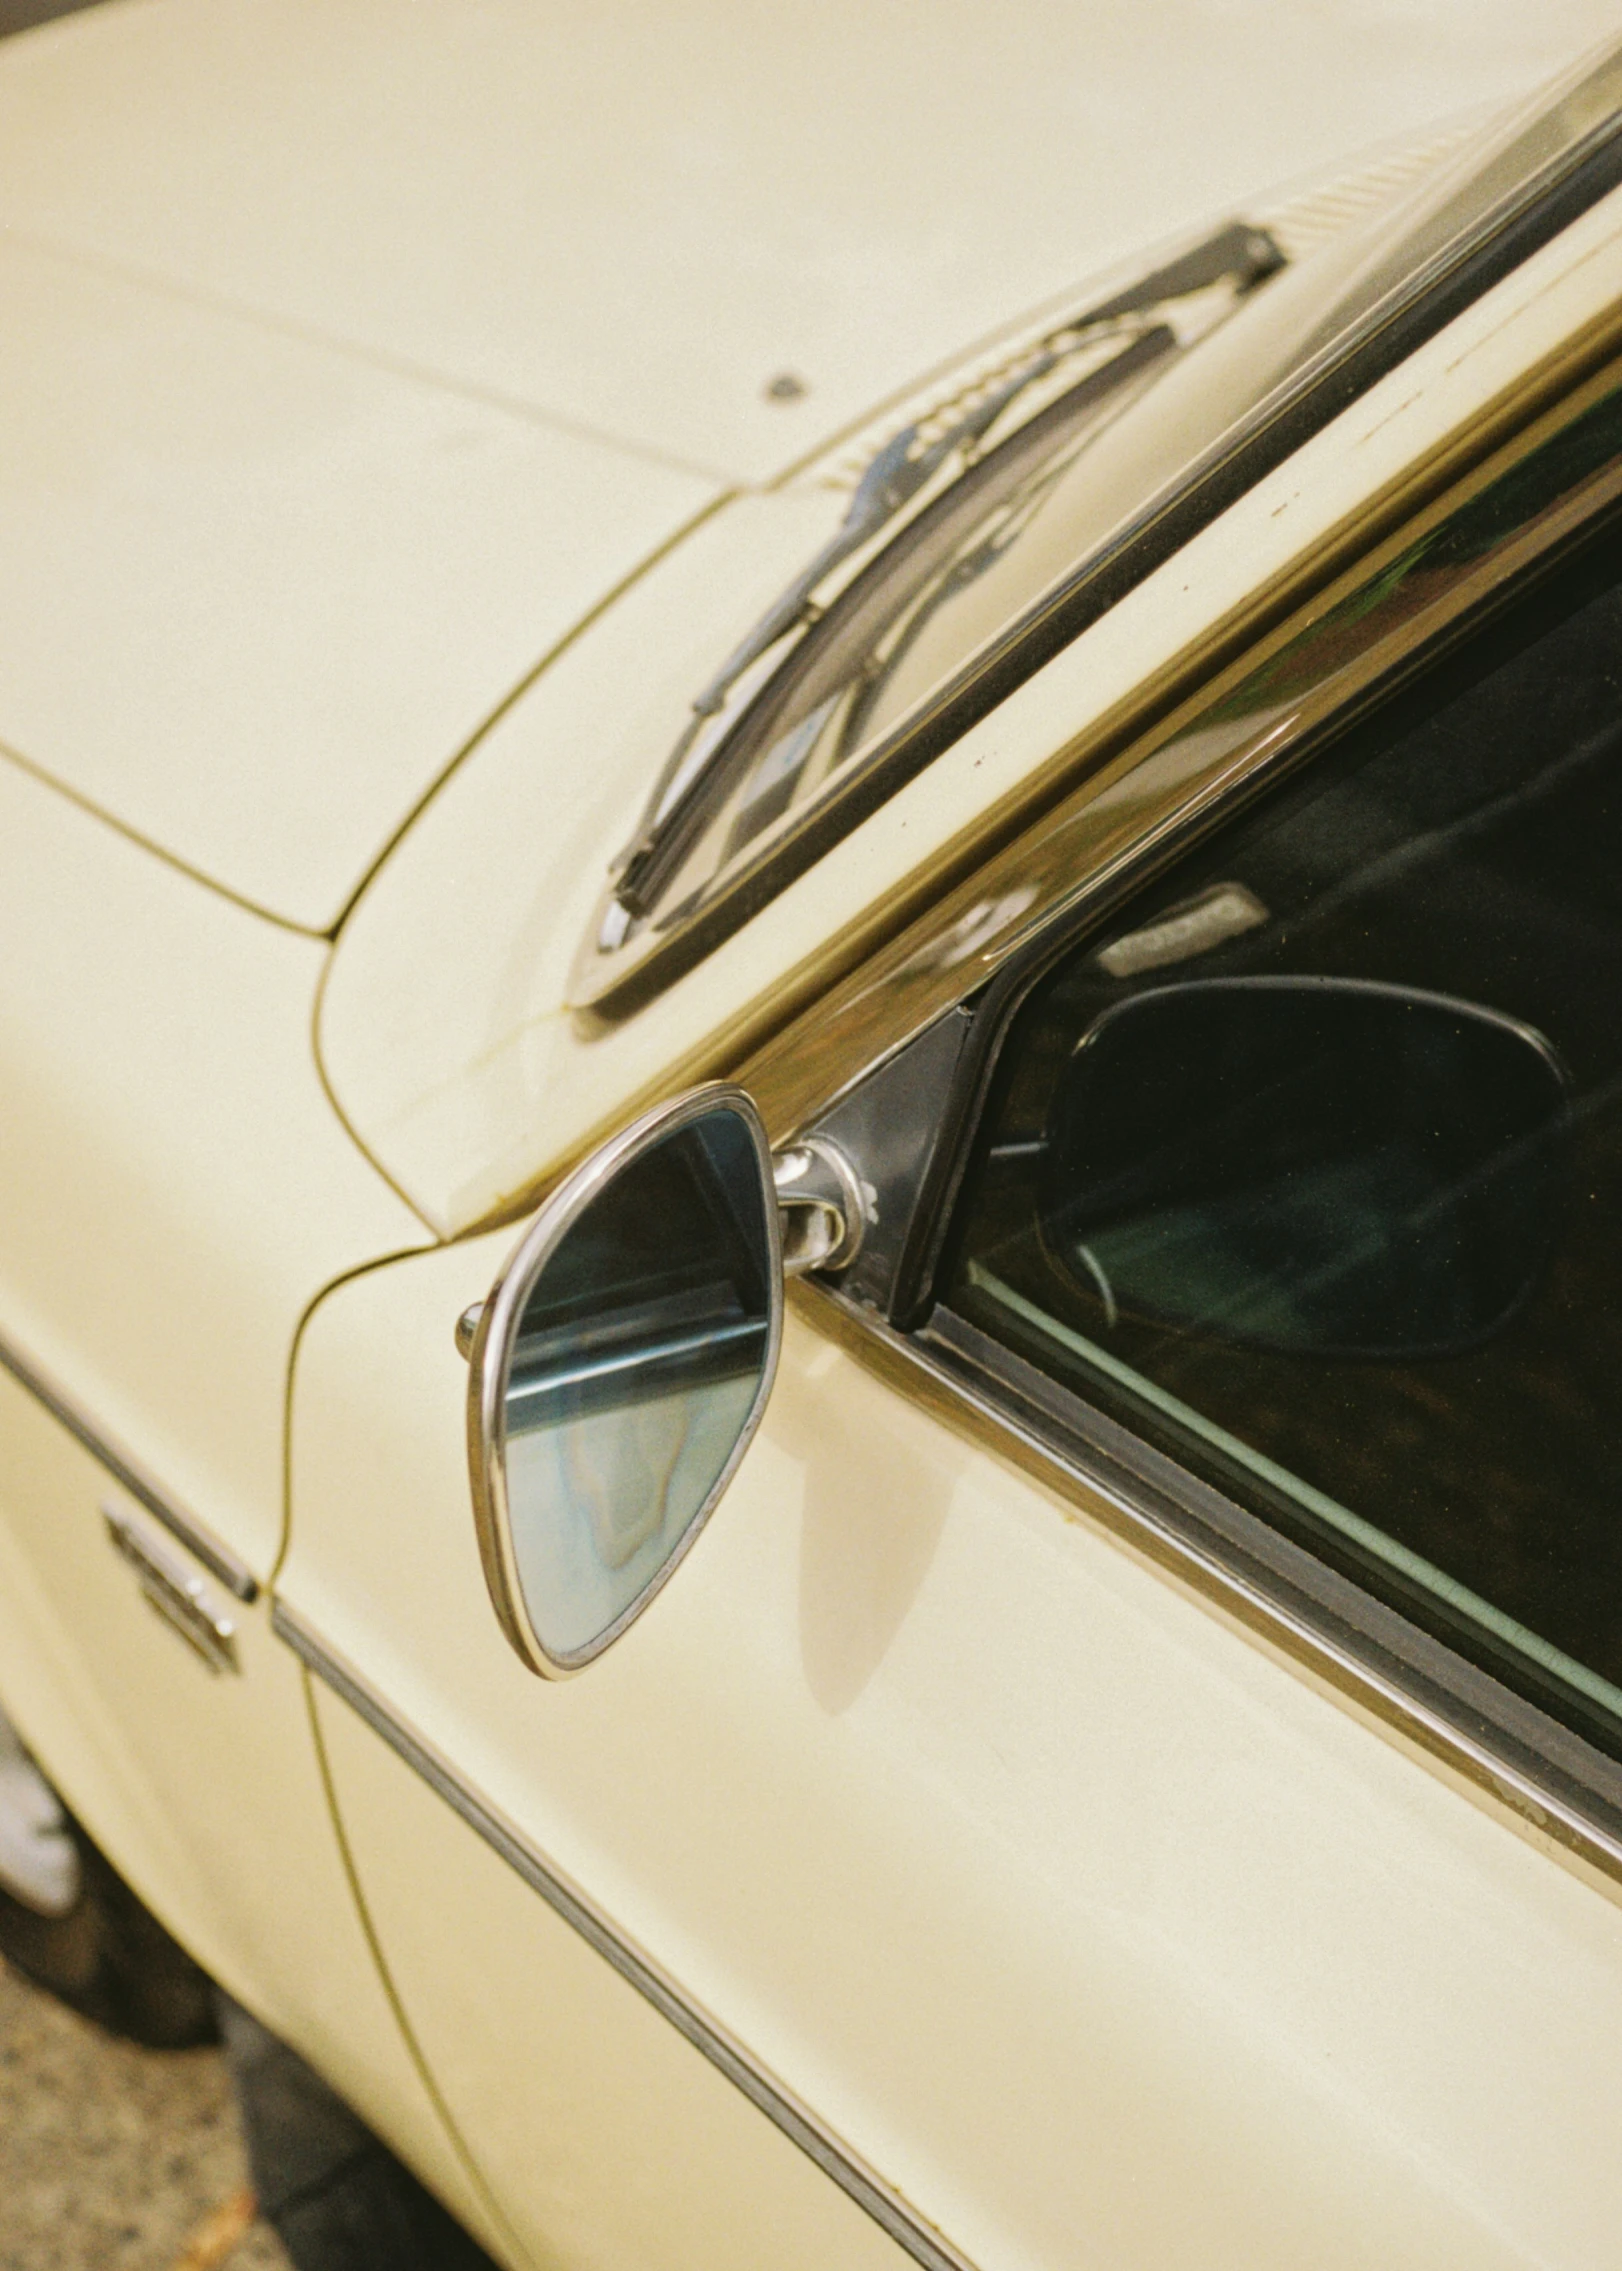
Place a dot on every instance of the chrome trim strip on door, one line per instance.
(218, 1560)
(879, 2200)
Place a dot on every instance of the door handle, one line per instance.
(182, 1599)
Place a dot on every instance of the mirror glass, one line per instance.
(1315, 1166)
(637, 1368)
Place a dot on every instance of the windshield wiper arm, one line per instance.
(1237, 254)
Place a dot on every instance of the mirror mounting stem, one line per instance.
(821, 1207)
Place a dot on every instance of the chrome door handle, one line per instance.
(184, 1602)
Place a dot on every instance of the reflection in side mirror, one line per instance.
(1313, 1166)
(619, 1369)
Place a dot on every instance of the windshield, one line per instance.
(1027, 514)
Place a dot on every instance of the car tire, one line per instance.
(333, 2193)
(110, 1959)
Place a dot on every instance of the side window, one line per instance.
(1309, 1169)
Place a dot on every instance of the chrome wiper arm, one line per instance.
(908, 461)
(1238, 253)
(905, 464)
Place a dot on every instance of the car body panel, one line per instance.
(305, 581)
(174, 1191)
(174, 1187)
(1099, 1931)
(610, 2140)
(466, 1077)
(204, 1789)
(630, 220)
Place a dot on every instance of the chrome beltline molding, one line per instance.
(1341, 1633)
(218, 1560)
(836, 2160)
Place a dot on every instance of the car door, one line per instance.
(1143, 1800)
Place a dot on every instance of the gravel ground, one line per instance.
(114, 2158)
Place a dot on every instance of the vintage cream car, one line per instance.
(750, 950)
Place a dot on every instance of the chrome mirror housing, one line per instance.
(618, 1371)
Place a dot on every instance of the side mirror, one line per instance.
(618, 1371)
(1323, 1167)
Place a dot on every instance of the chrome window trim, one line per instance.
(1141, 807)
(707, 2035)
(1530, 1763)
(233, 1573)
(981, 948)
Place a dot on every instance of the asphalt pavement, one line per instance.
(114, 2158)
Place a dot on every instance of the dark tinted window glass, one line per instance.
(1310, 1167)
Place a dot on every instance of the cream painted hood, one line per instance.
(354, 352)
(256, 592)
(627, 215)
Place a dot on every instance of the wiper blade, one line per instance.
(1238, 254)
